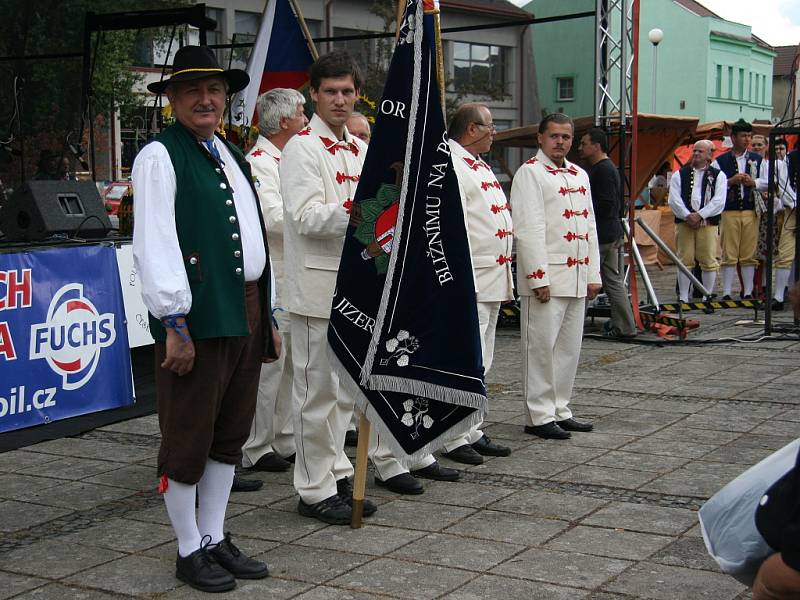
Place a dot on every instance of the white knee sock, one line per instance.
(179, 498)
(683, 286)
(727, 279)
(781, 281)
(710, 280)
(748, 273)
(213, 491)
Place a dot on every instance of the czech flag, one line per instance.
(281, 57)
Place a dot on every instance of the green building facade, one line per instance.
(707, 67)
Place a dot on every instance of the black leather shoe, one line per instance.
(351, 438)
(272, 463)
(465, 454)
(487, 447)
(437, 472)
(236, 562)
(405, 483)
(747, 297)
(344, 487)
(246, 485)
(202, 572)
(548, 431)
(777, 306)
(331, 510)
(290, 458)
(726, 297)
(575, 425)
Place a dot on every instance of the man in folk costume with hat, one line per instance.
(320, 170)
(558, 267)
(697, 196)
(746, 174)
(787, 184)
(200, 247)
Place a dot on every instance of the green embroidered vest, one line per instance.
(210, 242)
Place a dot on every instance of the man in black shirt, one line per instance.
(606, 199)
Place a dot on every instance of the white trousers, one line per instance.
(272, 429)
(386, 464)
(321, 412)
(551, 344)
(487, 321)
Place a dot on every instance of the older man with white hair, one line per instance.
(697, 197)
(271, 441)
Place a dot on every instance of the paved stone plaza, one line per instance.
(609, 515)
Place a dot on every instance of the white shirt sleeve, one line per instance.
(716, 204)
(303, 193)
(762, 182)
(786, 194)
(527, 202)
(156, 253)
(675, 200)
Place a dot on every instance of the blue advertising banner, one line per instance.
(63, 341)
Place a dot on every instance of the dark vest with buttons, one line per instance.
(727, 164)
(686, 190)
(210, 241)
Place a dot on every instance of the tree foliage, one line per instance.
(49, 90)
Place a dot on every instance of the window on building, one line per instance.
(741, 84)
(479, 68)
(718, 82)
(764, 90)
(758, 81)
(498, 155)
(565, 88)
(245, 31)
(730, 82)
(362, 50)
(750, 88)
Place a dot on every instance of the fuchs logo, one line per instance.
(73, 336)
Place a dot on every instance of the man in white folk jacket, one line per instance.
(320, 169)
(488, 221)
(271, 441)
(558, 268)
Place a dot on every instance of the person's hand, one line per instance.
(736, 179)
(748, 181)
(694, 220)
(355, 215)
(542, 294)
(180, 353)
(277, 341)
(592, 290)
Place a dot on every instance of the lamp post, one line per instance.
(655, 36)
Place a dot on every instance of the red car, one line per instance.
(113, 194)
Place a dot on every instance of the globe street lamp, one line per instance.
(655, 36)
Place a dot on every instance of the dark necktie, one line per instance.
(212, 150)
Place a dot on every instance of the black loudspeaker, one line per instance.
(40, 209)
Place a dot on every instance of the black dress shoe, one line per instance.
(487, 447)
(575, 425)
(405, 483)
(351, 438)
(548, 431)
(271, 463)
(246, 485)
(202, 572)
(465, 454)
(236, 562)
(331, 510)
(437, 472)
(747, 297)
(777, 305)
(727, 297)
(344, 487)
(290, 458)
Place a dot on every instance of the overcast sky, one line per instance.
(775, 21)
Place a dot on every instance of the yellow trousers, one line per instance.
(786, 245)
(739, 238)
(697, 244)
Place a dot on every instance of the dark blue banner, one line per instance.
(63, 340)
(404, 323)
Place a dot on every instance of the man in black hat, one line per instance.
(200, 248)
(746, 174)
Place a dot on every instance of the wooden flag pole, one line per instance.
(360, 478)
(401, 10)
(306, 33)
(440, 57)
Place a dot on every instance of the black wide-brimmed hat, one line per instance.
(196, 62)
